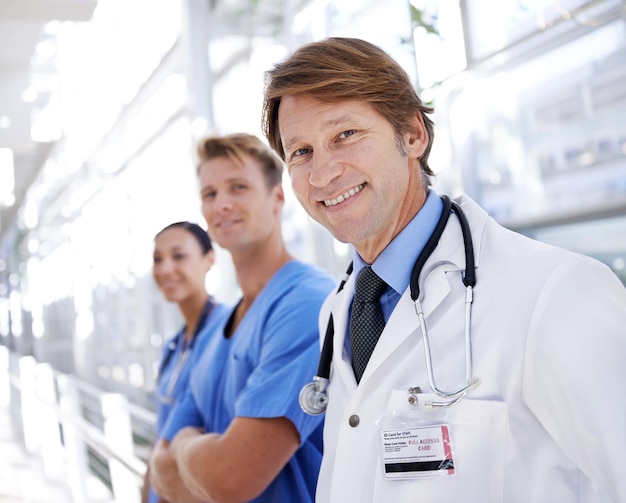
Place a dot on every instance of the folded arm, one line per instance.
(164, 475)
(234, 467)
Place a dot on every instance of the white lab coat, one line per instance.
(547, 424)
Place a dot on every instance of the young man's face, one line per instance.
(239, 208)
(348, 171)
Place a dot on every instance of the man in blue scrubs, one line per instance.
(239, 434)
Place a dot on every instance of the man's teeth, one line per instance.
(343, 197)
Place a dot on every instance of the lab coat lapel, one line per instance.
(340, 310)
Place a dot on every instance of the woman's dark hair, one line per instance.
(198, 232)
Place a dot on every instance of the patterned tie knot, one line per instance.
(369, 287)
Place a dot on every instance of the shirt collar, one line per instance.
(395, 263)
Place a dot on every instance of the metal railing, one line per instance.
(80, 431)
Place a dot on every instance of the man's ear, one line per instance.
(416, 139)
(210, 259)
(279, 194)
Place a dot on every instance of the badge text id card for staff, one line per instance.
(410, 453)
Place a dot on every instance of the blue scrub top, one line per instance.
(259, 371)
(170, 389)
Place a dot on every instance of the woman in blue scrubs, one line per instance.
(183, 255)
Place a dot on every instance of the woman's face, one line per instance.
(179, 264)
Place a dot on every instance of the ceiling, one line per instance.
(21, 26)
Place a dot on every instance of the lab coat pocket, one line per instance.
(477, 435)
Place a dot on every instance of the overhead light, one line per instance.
(5, 121)
(7, 177)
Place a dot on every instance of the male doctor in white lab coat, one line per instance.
(541, 416)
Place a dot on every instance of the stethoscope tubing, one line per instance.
(326, 356)
(185, 353)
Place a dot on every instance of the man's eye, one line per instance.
(300, 152)
(347, 133)
(208, 195)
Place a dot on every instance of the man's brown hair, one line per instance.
(345, 69)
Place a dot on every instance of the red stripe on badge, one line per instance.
(447, 447)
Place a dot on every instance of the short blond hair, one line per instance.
(238, 146)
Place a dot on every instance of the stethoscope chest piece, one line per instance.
(313, 397)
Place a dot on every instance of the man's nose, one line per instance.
(325, 168)
(223, 201)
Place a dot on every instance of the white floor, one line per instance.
(22, 477)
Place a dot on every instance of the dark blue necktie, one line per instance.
(366, 321)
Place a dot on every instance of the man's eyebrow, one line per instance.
(287, 144)
(230, 180)
(335, 121)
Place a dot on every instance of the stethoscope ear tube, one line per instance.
(429, 247)
(469, 279)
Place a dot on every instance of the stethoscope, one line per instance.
(314, 397)
(168, 397)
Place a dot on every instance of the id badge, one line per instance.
(417, 452)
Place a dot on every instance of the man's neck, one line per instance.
(254, 271)
(255, 268)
